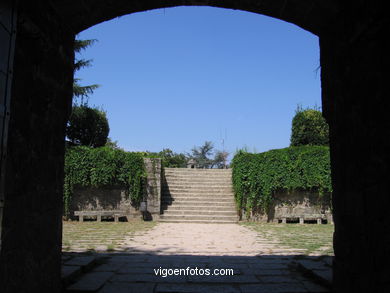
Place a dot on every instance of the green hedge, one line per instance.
(103, 166)
(256, 177)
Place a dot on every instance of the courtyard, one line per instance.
(141, 256)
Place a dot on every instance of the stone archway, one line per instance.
(354, 55)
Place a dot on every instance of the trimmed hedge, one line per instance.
(256, 177)
(103, 166)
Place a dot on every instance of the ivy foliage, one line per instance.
(103, 166)
(256, 177)
(309, 128)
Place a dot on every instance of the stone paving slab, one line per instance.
(110, 287)
(195, 288)
(109, 267)
(90, 282)
(69, 273)
(256, 267)
(317, 268)
(82, 261)
(272, 288)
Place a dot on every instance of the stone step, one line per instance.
(192, 181)
(200, 174)
(208, 212)
(198, 198)
(183, 170)
(198, 179)
(189, 196)
(178, 207)
(197, 186)
(195, 204)
(201, 193)
(198, 221)
(200, 217)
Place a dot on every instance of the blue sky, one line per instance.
(176, 77)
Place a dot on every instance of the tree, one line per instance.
(87, 126)
(220, 159)
(200, 155)
(309, 128)
(172, 160)
(79, 91)
(113, 144)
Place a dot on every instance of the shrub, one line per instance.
(309, 128)
(256, 177)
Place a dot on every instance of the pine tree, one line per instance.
(79, 91)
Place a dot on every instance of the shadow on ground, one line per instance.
(147, 272)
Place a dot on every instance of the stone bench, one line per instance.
(99, 214)
(303, 218)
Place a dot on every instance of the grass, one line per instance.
(100, 236)
(313, 239)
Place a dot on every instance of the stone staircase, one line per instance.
(198, 196)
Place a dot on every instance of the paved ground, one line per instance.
(203, 239)
(258, 265)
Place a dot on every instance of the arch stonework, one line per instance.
(354, 58)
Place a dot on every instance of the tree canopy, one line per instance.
(202, 156)
(87, 126)
(309, 128)
(79, 91)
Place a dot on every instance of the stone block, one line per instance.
(81, 261)
(113, 287)
(273, 288)
(69, 273)
(195, 288)
(90, 282)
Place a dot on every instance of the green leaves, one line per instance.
(87, 126)
(103, 166)
(256, 177)
(309, 128)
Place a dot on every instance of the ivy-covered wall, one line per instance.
(103, 167)
(258, 177)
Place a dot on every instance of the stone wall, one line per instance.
(7, 39)
(295, 205)
(30, 257)
(103, 198)
(153, 187)
(116, 197)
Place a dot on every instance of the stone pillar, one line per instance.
(153, 187)
(30, 257)
(7, 42)
(355, 77)
(301, 220)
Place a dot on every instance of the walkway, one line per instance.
(207, 249)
